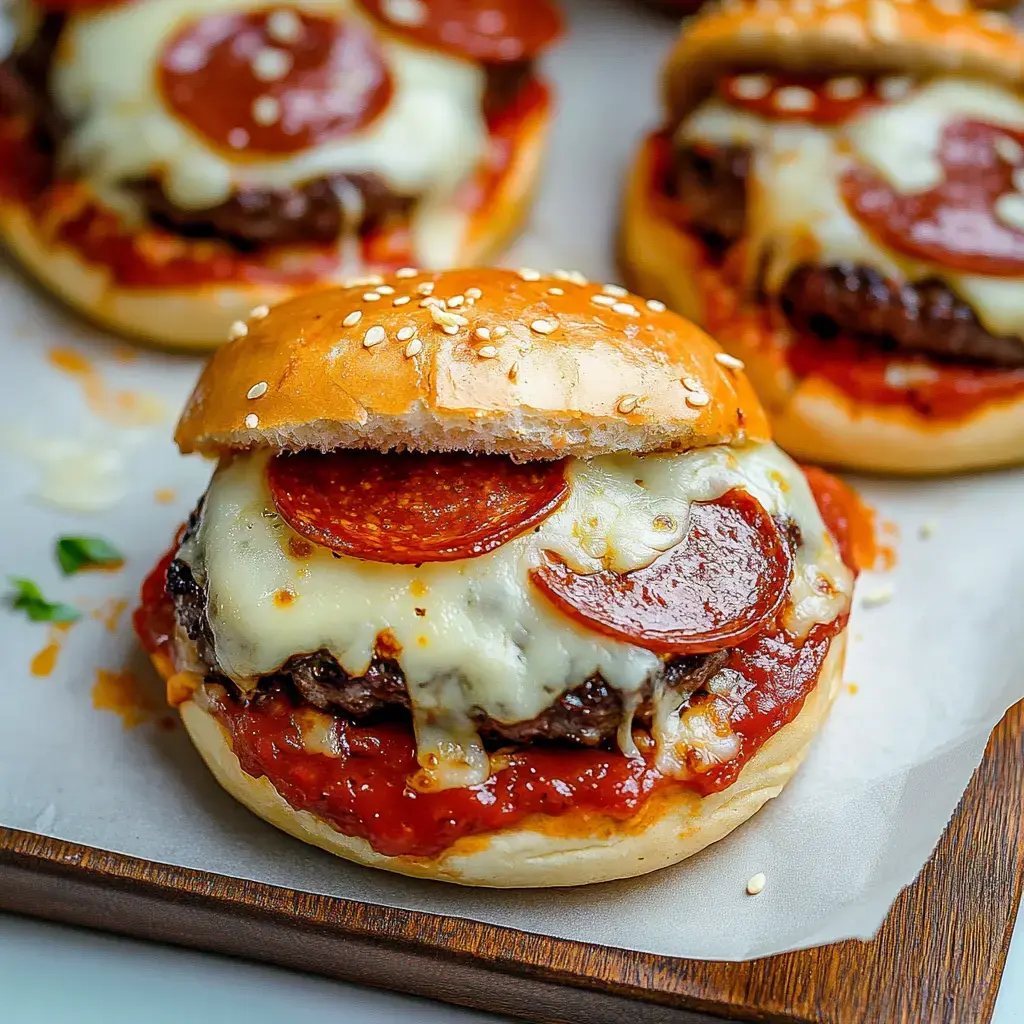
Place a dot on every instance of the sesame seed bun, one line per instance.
(842, 37)
(535, 366)
(198, 317)
(810, 418)
(573, 849)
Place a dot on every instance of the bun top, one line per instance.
(531, 365)
(915, 37)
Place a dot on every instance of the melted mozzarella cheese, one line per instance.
(797, 215)
(475, 635)
(428, 140)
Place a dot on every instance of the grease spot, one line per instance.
(43, 663)
(125, 408)
(120, 692)
(164, 496)
(110, 612)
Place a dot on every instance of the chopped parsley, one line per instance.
(28, 598)
(75, 554)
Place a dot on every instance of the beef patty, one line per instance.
(923, 318)
(316, 212)
(587, 715)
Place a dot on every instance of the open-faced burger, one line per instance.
(163, 163)
(837, 198)
(499, 580)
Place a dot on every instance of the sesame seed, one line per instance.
(879, 596)
(238, 138)
(414, 348)
(284, 26)
(883, 20)
(499, 332)
(473, 293)
(401, 300)
(529, 275)
(625, 308)
(374, 336)
(656, 305)
(431, 300)
(794, 99)
(239, 329)
(385, 289)
(411, 13)
(693, 384)
(556, 291)
(455, 301)
(353, 318)
(615, 289)
(603, 300)
(366, 281)
(756, 884)
(405, 333)
(893, 88)
(1009, 150)
(266, 110)
(627, 403)
(270, 64)
(751, 87)
(370, 297)
(697, 399)
(258, 312)
(543, 326)
(425, 288)
(257, 390)
(486, 351)
(252, 421)
(405, 272)
(483, 333)
(450, 322)
(847, 88)
(728, 361)
(1009, 208)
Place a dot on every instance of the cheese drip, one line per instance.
(428, 140)
(795, 211)
(475, 635)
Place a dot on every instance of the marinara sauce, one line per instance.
(365, 790)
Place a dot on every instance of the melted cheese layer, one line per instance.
(796, 213)
(425, 143)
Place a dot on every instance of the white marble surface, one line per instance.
(52, 975)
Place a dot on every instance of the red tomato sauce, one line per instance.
(365, 792)
(153, 258)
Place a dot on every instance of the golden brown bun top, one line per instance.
(917, 37)
(535, 366)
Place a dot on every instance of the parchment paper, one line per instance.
(934, 668)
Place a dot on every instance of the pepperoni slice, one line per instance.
(801, 97)
(410, 508)
(489, 31)
(720, 585)
(274, 81)
(971, 221)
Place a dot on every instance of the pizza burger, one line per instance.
(498, 581)
(165, 164)
(838, 198)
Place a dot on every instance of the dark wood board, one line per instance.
(937, 959)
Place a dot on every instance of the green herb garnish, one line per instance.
(75, 554)
(28, 598)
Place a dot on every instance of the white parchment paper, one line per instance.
(934, 668)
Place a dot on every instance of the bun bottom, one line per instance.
(811, 418)
(574, 849)
(199, 317)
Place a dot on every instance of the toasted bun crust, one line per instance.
(841, 37)
(569, 376)
(198, 318)
(574, 849)
(810, 418)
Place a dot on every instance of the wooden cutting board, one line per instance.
(937, 959)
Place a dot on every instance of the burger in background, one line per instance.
(164, 163)
(837, 198)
